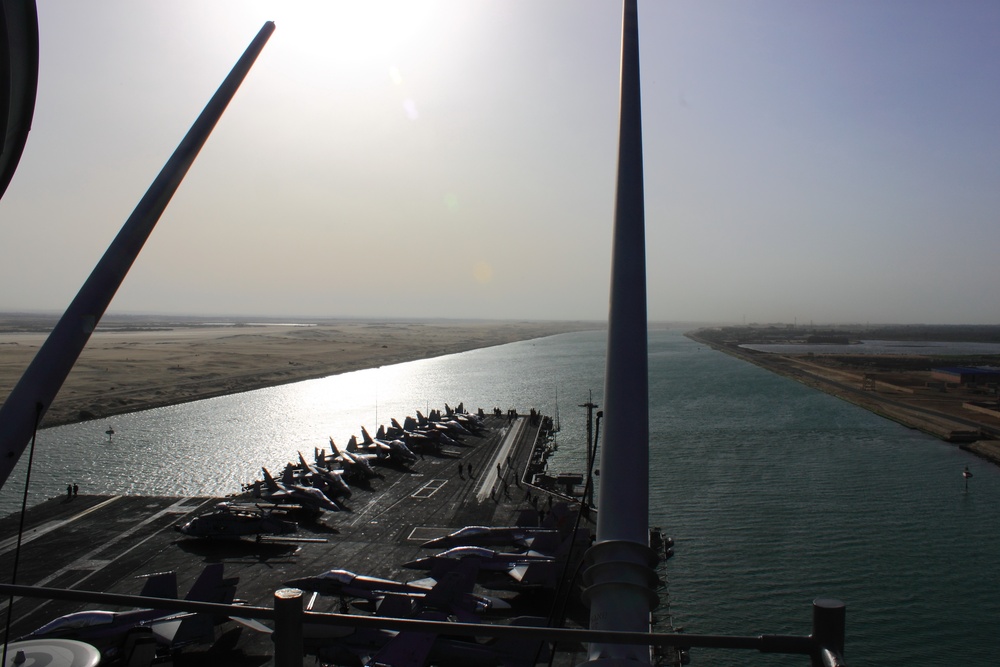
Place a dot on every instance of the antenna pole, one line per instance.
(620, 575)
(54, 360)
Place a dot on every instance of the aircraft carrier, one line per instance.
(107, 543)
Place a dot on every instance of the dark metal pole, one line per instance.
(620, 577)
(53, 362)
(829, 628)
(288, 627)
(590, 405)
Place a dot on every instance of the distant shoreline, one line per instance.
(139, 365)
(946, 420)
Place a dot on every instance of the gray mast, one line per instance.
(40, 383)
(620, 577)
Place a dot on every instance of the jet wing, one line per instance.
(407, 649)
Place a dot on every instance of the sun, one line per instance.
(483, 272)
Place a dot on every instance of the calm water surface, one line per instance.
(775, 493)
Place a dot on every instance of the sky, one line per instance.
(825, 162)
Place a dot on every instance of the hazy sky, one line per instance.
(810, 161)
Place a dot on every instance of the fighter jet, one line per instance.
(371, 646)
(108, 630)
(450, 427)
(308, 497)
(543, 540)
(416, 442)
(452, 594)
(531, 570)
(327, 479)
(489, 559)
(394, 451)
(441, 436)
(356, 467)
(498, 571)
(473, 423)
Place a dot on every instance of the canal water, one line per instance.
(775, 493)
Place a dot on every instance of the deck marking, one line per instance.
(81, 562)
(490, 477)
(425, 533)
(373, 502)
(429, 489)
(10, 543)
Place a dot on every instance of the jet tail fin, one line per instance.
(269, 481)
(395, 606)
(192, 630)
(407, 649)
(461, 579)
(209, 586)
(160, 585)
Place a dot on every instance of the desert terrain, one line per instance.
(134, 364)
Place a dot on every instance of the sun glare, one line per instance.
(482, 272)
(360, 34)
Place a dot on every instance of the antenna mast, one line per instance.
(38, 387)
(620, 576)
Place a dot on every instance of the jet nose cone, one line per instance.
(437, 543)
(305, 584)
(419, 564)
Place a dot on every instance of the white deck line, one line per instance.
(10, 543)
(85, 562)
(489, 477)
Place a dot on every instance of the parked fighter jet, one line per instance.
(108, 630)
(472, 422)
(452, 593)
(356, 466)
(326, 478)
(416, 442)
(371, 646)
(383, 449)
(306, 496)
(489, 559)
(450, 427)
(441, 436)
(530, 570)
(498, 571)
(543, 540)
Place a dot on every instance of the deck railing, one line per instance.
(825, 645)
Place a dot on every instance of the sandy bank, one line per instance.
(902, 397)
(125, 371)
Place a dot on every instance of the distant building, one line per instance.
(966, 374)
(828, 339)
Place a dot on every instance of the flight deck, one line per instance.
(109, 543)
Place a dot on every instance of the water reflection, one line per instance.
(213, 446)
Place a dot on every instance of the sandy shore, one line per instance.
(163, 363)
(904, 397)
